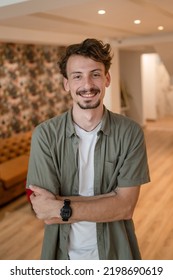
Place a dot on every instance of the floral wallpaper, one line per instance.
(30, 87)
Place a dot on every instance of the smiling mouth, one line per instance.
(88, 93)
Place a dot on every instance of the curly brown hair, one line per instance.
(92, 48)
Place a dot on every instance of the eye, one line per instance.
(77, 77)
(96, 74)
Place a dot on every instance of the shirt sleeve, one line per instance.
(41, 168)
(134, 170)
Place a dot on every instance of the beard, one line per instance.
(87, 104)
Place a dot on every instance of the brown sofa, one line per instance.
(14, 156)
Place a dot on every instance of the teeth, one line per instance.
(88, 95)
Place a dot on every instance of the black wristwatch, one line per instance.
(66, 210)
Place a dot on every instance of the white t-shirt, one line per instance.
(83, 239)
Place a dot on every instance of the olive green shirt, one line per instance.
(120, 159)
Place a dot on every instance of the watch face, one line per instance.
(66, 212)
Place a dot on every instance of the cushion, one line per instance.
(14, 171)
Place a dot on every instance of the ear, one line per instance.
(108, 79)
(66, 84)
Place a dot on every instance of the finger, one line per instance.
(32, 196)
(43, 192)
(37, 190)
(50, 221)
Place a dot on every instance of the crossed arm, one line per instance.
(101, 208)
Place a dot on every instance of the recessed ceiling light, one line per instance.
(137, 21)
(160, 27)
(101, 12)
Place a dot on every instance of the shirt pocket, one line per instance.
(109, 176)
(111, 173)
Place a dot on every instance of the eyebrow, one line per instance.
(79, 72)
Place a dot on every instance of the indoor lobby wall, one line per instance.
(30, 86)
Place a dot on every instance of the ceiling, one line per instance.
(64, 22)
(67, 21)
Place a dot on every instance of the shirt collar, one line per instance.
(70, 127)
(105, 127)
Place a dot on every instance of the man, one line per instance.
(86, 166)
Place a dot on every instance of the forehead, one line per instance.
(78, 63)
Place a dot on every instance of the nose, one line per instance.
(88, 82)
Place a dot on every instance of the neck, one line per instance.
(87, 119)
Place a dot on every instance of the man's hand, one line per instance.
(114, 206)
(45, 204)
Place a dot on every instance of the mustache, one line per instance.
(85, 91)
